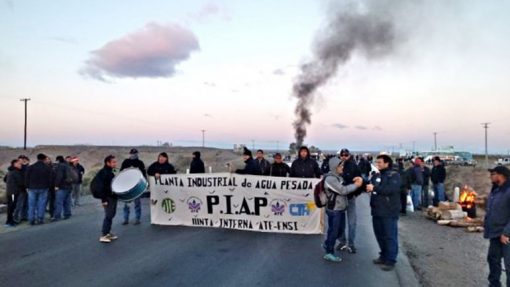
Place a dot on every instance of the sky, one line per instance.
(132, 73)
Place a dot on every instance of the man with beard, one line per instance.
(133, 162)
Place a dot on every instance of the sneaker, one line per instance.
(339, 246)
(126, 222)
(105, 239)
(112, 236)
(9, 225)
(344, 248)
(332, 258)
(387, 267)
(137, 222)
(378, 261)
(352, 249)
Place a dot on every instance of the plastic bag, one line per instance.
(409, 206)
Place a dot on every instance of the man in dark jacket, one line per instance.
(197, 165)
(425, 201)
(162, 166)
(438, 176)
(385, 204)
(416, 177)
(15, 184)
(80, 171)
(364, 167)
(263, 165)
(21, 211)
(133, 162)
(304, 166)
(250, 164)
(405, 185)
(108, 198)
(497, 225)
(279, 168)
(38, 181)
(63, 186)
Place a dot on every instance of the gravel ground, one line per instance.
(444, 256)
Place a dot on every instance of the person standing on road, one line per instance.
(250, 164)
(133, 162)
(262, 164)
(64, 179)
(51, 192)
(364, 167)
(497, 225)
(197, 165)
(161, 166)
(425, 201)
(405, 185)
(15, 184)
(80, 171)
(438, 177)
(38, 181)
(279, 168)
(350, 172)
(305, 166)
(336, 192)
(104, 180)
(21, 211)
(385, 204)
(416, 178)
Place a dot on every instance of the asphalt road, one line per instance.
(68, 253)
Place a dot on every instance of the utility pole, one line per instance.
(435, 141)
(486, 127)
(252, 145)
(203, 138)
(25, 133)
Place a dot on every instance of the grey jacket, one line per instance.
(333, 184)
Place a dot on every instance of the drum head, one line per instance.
(126, 180)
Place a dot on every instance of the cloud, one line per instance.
(209, 10)
(340, 126)
(278, 72)
(151, 52)
(360, 128)
(377, 128)
(67, 40)
(208, 116)
(210, 84)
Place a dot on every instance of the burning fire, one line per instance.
(467, 197)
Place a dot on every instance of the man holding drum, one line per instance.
(133, 162)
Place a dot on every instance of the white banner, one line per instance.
(243, 202)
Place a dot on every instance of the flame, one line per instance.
(467, 197)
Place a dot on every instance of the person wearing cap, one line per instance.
(161, 166)
(80, 171)
(438, 177)
(385, 205)
(337, 192)
(416, 177)
(64, 179)
(38, 182)
(133, 162)
(497, 225)
(304, 166)
(279, 168)
(250, 164)
(263, 165)
(197, 165)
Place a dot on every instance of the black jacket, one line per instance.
(385, 200)
(364, 167)
(416, 176)
(264, 166)
(81, 171)
(250, 168)
(305, 168)
(165, 168)
(15, 182)
(426, 176)
(105, 176)
(497, 218)
(279, 169)
(136, 163)
(38, 176)
(197, 166)
(438, 174)
(351, 170)
(62, 176)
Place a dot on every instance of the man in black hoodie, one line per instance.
(38, 181)
(197, 165)
(108, 198)
(304, 166)
(63, 187)
(279, 168)
(250, 165)
(161, 166)
(133, 162)
(15, 184)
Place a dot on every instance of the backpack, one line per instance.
(320, 197)
(71, 175)
(96, 187)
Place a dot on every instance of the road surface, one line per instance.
(68, 253)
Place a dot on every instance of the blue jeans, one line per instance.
(138, 209)
(498, 251)
(336, 222)
(425, 196)
(63, 201)
(37, 204)
(416, 195)
(351, 223)
(20, 206)
(439, 194)
(386, 233)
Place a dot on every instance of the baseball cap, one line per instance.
(503, 170)
(133, 151)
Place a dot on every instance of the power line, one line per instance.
(25, 130)
(435, 141)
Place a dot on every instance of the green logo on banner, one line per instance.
(168, 205)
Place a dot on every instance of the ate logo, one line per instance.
(278, 207)
(194, 204)
(168, 205)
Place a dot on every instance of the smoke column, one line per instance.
(365, 28)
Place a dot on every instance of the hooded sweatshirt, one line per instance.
(305, 167)
(197, 165)
(335, 188)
